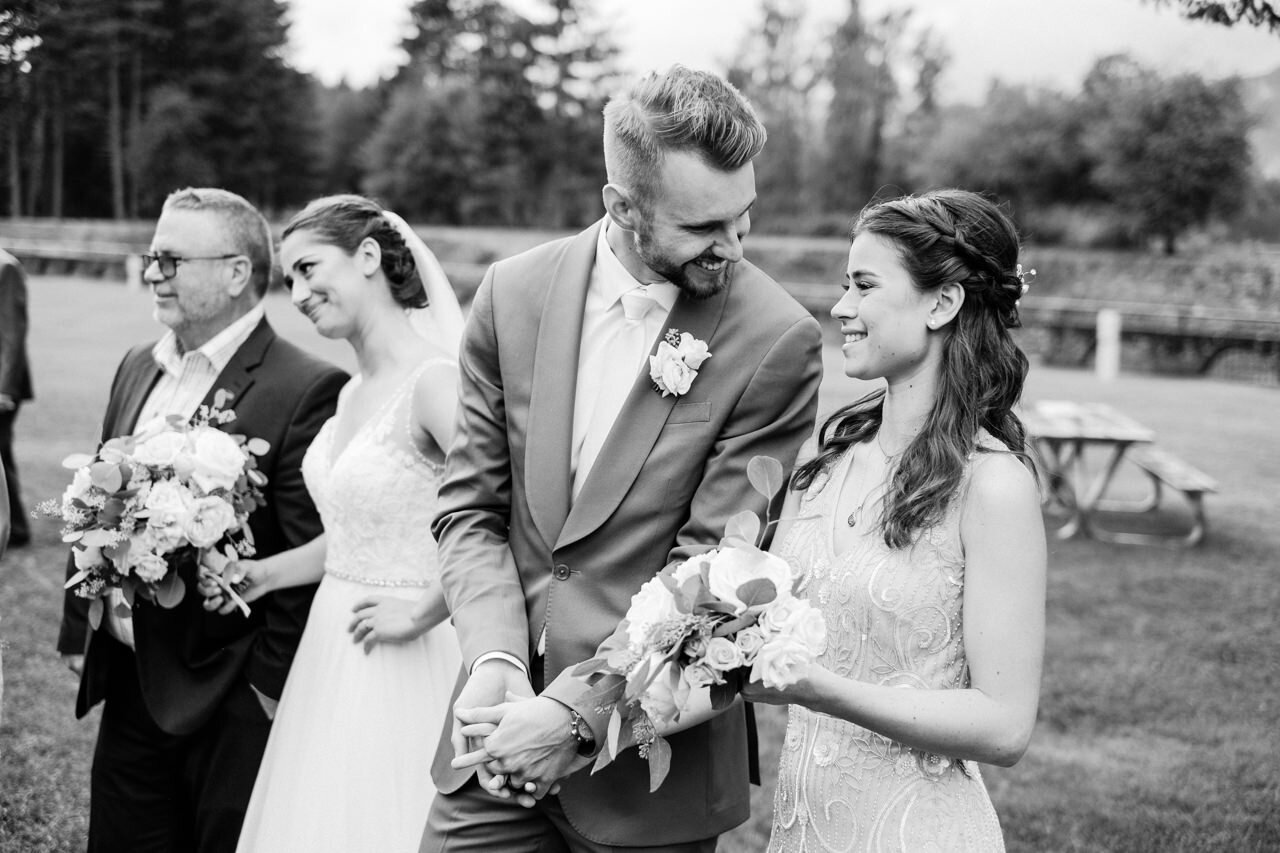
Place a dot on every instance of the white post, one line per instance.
(133, 271)
(1107, 351)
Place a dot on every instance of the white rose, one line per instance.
(693, 351)
(807, 625)
(651, 605)
(162, 450)
(733, 567)
(169, 506)
(151, 568)
(660, 699)
(780, 662)
(218, 460)
(81, 482)
(211, 519)
(722, 655)
(749, 640)
(669, 372)
(775, 617)
(701, 675)
(691, 567)
(88, 557)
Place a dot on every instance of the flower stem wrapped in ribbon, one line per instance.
(174, 490)
(693, 634)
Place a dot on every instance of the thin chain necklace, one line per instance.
(856, 515)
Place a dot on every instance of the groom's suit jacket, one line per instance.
(518, 556)
(188, 658)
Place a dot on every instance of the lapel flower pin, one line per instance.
(675, 365)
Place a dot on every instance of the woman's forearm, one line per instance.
(959, 723)
(295, 567)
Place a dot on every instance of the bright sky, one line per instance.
(1021, 41)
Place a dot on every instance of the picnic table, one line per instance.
(1064, 430)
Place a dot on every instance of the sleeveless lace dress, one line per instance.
(348, 764)
(893, 618)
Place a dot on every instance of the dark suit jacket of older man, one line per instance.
(192, 668)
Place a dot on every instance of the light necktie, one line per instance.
(624, 357)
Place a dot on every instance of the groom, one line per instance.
(189, 694)
(575, 477)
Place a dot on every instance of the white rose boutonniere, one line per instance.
(675, 365)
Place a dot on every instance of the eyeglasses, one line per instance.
(169, 263)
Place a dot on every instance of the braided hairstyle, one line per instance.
(944, 237)
(346, 221)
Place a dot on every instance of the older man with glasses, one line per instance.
(189, 694)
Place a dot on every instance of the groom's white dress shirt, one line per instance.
(185, 380)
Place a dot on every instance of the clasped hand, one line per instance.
(520, 747)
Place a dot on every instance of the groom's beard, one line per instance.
(693, 280)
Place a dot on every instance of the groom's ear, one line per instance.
(621, 209)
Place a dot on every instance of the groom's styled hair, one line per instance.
(679, 110)
(244, 225)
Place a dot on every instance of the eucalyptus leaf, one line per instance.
(258, 446)
(613, 732)
(76, 578)
(106, 476)
(76, 461)
(765, 475)
(659, 762)
(722, 695)
(744, 525)
(170, 590)
(95, 613)
(757, 591)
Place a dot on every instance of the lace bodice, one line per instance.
(377, 498)
(894, 619)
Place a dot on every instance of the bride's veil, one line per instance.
(442, 319)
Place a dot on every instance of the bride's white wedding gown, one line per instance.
(348, 764)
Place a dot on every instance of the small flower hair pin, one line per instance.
(1023, 279)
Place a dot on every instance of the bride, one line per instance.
(347, 764)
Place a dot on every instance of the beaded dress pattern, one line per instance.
(893, 619)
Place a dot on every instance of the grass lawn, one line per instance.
(1160, 711)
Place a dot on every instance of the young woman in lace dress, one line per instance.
(917, 528)
(347, 764)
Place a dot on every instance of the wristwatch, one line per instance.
(581, 733)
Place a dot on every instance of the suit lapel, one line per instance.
(555, 380)
(135, 395)
(636, 430)
(237, 376)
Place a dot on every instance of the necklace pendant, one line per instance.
(853, 516)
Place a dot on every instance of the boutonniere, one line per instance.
(675, 365)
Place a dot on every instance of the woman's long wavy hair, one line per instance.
(943, 237)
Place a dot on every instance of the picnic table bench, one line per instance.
(1063, 430)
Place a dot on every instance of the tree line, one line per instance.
(494, 119)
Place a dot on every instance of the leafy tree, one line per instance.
(1170, 153)
(1256, 13)
(526, 95)
(775, 71)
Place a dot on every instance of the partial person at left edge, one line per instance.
(189, 694)
(15, 384)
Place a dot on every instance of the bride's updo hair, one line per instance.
(345, 221)
(944, 237)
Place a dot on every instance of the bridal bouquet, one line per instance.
(173, 490)
(696, 632)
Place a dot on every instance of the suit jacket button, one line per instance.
(560, 572)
